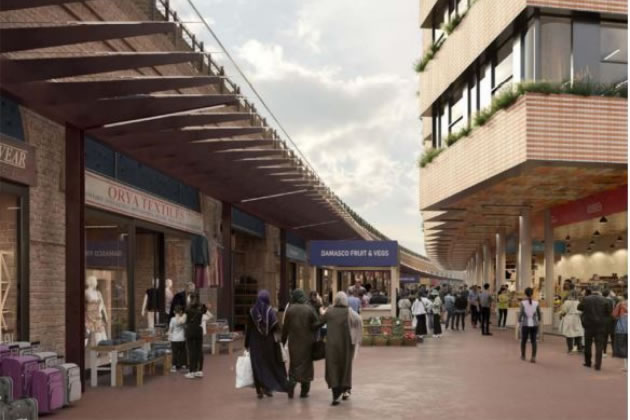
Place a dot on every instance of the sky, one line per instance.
(338, 74)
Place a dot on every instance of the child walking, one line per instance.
(177, 338)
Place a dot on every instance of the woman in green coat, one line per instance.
(344, 332)
(299, 330)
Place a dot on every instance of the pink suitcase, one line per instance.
(20, 369)
(48, 389)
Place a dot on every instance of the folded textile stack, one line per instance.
(137, 356)
(128, 336)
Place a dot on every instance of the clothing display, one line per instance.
(95, 313)
(199, 250)
(202, 278)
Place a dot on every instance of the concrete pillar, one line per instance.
(525, 250)
(549, 259)
(394, 285)
(334, 280)
(499, 275)
(478, 268)
(486, 264)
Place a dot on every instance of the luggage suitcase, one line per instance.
(20, 369)
(48, 389)
(6, 351)
(24, 409)
(47, 359)
(6, 390)
(72, 381)
(25, 347)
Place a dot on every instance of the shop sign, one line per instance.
(408, 279)
(597, 205)
(353, 253)
(17, 161)
(113, 196)
(296, 253)
(106, 254)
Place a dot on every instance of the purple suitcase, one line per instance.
(20, 369)
(48, 389)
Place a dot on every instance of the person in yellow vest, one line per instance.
(503, 302)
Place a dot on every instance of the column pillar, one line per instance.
(225, 303)
(478, 268)
(75, 247)
(549, 259)
(333, 279)
(486, 264)
(499, 275)
(283, 296)
(525, 250)
(394, 280)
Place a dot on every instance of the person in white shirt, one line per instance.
(419, 311)
(529, 319)
(176, 336)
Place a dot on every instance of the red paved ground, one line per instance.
(460, 376)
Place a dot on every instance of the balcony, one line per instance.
(527, 152)
(426, 9)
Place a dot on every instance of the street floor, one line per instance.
(459, 376)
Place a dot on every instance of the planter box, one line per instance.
(380, 341)
(395, 341)
(367, 340)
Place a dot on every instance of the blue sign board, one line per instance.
(353, 253)
(409, 279)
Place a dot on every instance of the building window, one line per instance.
(555, 55)
(586, 51)
(443, 124)
(613, 53)
(503, 70)
(461, 6)
(485, 86)
(441, 17)
(458, 110)
(529, 52)
(473, 105)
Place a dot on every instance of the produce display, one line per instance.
(387, 331)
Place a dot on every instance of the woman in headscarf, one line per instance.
(571, 324)
(269, 370)
(299, 329)
(344, 335)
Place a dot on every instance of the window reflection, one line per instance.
(613, 53)
(555, 56)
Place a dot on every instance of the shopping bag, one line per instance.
(244, 372)
(414, 322)
(285, 353)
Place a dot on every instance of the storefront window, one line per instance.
(10, 213)
(613, 53)
(106, 293)
(474, 104)
(555, 56)
(503, 70)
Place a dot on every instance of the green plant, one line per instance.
(504, 99)
(452, 138)
(450, 26)
(482, 117)
(428, 156)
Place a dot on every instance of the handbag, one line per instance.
(319, 350)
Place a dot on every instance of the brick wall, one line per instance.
(47, 232)
(8, 244)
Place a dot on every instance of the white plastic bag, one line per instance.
(414, 322)
(244, 372)
(285, 353)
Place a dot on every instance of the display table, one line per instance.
(376, 311)
(139, 368)
(113, 356)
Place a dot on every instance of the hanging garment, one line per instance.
(199, 250)
(201, 276)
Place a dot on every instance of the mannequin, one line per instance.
(168, 295)
(95, 312)
(150, 304)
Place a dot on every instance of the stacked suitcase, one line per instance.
(41, 377)
(10, 409)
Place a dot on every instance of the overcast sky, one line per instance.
(338, 75)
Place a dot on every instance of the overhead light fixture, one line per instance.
(603, 220)
(596, 233)
(592, 242)
(612, 54)
(568, 238)
(619, 238)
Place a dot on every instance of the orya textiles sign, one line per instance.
(113, 196)
(353, 253)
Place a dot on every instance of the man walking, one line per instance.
(485, 302)
(449, 305)
(473, 302)
(596, 312)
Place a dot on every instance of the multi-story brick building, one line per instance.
(524, 110)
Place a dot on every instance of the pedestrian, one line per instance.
(620, 313)
(344, 334)
(404, 305)
(529, 318)
(299, 330)
(177, 337)
(194, 336)
(436, 307)
(461, 304)
(353, 301)
(315, 300)
(265, 353)
(571, 324)
(473, 302)
(485, 303)
(449, 306)
(503, 300)
(420, 312)
(612, 322)
(596, 313)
